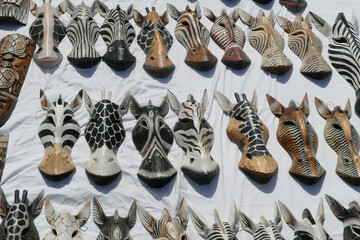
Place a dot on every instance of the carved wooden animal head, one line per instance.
(193, 36)
(58, 133)
(219, 230)
(4, 140)
(83, 33)
(155, 40)
(118, 34)
(264, 229)
(65, 226)
(296, 135)
(250, 134)
(350, 217)
(343, 138)
(294, 5)
(307, 228)
(114, 227)
(306, 45)
(47, 31)
(228, 37)
(153, 138)
(195, 136)
(18, 218)
(15, 11)
(266, 40)
(104, 134)
(167, 227)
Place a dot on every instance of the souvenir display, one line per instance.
(58, 133)
(266, 40)
(16, 52)
(114, 227)
(296, 135)
(264, 229)
(15, 11)
(47, 31)
(155, 40)
(350, 217)
(193, 36)
(250, 134)
(195, 137)
(153, 138)
(4, 139)
(228, 37)
(222, 230)
(104, 134)
(65, 226)
(343, 49)
(306, 45)
(167, 227)
(83, 33)
(18, 218)
(294, 5)
(343, 138)
(307, 227)
(118, 34)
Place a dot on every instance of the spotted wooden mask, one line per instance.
(18, 218)
(250, 134)
(4, 140)
(16, 52)
(15, 11)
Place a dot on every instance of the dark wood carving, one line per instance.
(4, 139)
(294, 5)
(15, 11)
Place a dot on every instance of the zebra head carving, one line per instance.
(15, 11)
(296, 135)
(153, 138)
(167, 227)
(193, 36)
(343, 138)
(83, 33)
(47, 31)
(344, 48)
(306, 45)
(228, 37)
(58, 133)
(307, 228)
(18, 218)
(264, 229)
(266, 40)
(155, 40)
(195, 136)
(118, 34)
(104, 133)
(219, 230)
(65, 226)
(350, 217)
(250, 134)
(114, 227)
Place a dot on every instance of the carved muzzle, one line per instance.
(274, 60)
(200, 58)
(118, 56)
(235, 57)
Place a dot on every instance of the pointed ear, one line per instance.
(131, 217)
(83, 215)
(275, 106)
(50, 212)
(135, 107)
(322, 108)
(272, 18)
(174, 103)
(347, 109)
(198, 10)
(183, 213)
(204, 101)
(165, 215)
(45, 103)
(261, 13)
(355, 22)
(321, 24)
(337, 208)
(98, 213)
(37, 204)
(77, 102)
(148, 221)
(199, 225)
(287, 215)
(209, 14)
(254, 100)
(164, 17)
(4, 206)
(320, 212)
(277, 217)
(70, 8)
(88, 102)
(130, 12)
(234, 218)
(138, 18)
(174, 13)
(61, 8)
(284, 23)
(103, 9)
(164, 106)
(94, 8)
(308, 20)
(304, 106)
(246, 223)
(124, 104)
(244, 16)
(224, 102)
(33, 7)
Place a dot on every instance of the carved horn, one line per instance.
(24, 196)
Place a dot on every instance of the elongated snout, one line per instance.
(200, 58)
(307, 170)
(314, 65)
(349, 168)
(48, 57)
(234, 57)
(275, 61)
(200, 170)
(118, 56)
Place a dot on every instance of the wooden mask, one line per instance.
(118, 34)
(294, 5)
(104, 134)
(83, 33)
(114, 227)
(343, 49)
(219, 230)
(65, 226)
(262, 1)
(153, 138)
(16, 52)
(18, 218)
(228, 37)
(58, 133)
(47, 31)
(250, 134)
(307, 228)
(15, 11)
(266, 40)
(167, 227)
(155, 40)
(296, 135)
(193, 36)
(350, 217)
(195, 137)
(306, 45)
(343, 138)
(4, 139)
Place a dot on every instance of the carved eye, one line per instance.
(341, 40)
(143, 123)
(110, 20)
(111, 49)
(288, 123)
(93, 120)
(222, 25)
(185, 120)
(67, 118)
(356, 230)
(91, 19)
(76, 19)
(337, 126)
(161, 123)
(183, 237)
(185, 23)
(54, 232)
(74, 233)
(40, 15)
(51, 120)
(305, 236)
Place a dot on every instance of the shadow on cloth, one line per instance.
(207, 190)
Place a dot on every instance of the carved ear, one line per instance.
(45, 103)
(103, 9)
(94, 8)
(148, 221)
(244, 16)
(70, 8)
(224, 102)
(320, 212)
(61, 8)
(83, 215)
(234, 218)
(287, 215)
(130, 12)
(308, 20)
(272, 18)
(33, 7)
(209, 14)
(183, 213)
(246, 223)
(304, 106)
(164, 17)
(88, 102)
(204, 101)
(164, 106)
(174, 13)
(337, 208)
(50, 212)
(355, 22)
(131, 217)
(37, 204)
(165, 215)
(124, 104)
(261, 13)
(254, 100)
(199, 225)
(98, 213)
(4, 206)
(322, 108)
(275, 106)
(347, 109)
(277, 217)
(135, 107)
(174, 103)
(284, 23)
(321, 24)
(77, 102)
(198, 10)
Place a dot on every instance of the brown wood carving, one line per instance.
(4, 138)
(16, 52)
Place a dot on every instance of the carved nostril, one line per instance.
(95, 159)
(167, 57)
(346, 160)
(299, 160)
(193, 50)
(152, 58)
(192, 160)
(111, 159)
